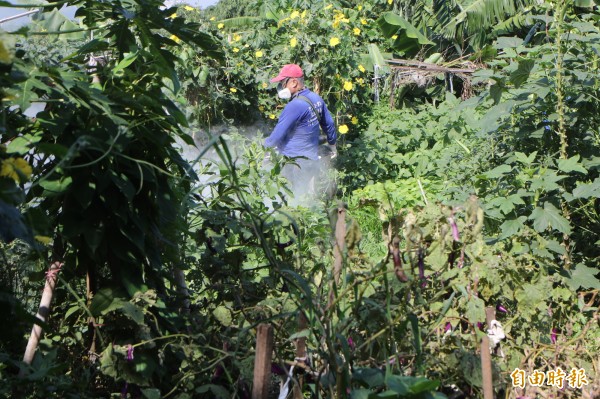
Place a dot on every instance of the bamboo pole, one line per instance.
(42, 313)
(262, 361)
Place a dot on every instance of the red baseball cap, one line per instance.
(288, 71)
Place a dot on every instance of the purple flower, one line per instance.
(454, 227)
(553, 335)
(501, 308)
(480, 325)
(448, 327)
(129, 353)
(351, 343)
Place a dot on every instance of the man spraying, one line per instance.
(298, 128)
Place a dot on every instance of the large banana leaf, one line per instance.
(409, 39)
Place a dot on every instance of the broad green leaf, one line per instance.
(512, 226)
(216, 390)
(549, 216)
(520, 75)
(475, 310)
(508, 42)
(223, 314)
(56, 186)
(498, 171)
(583, 277)
(587, 190)
(371, 377)
(571, 165)
(151, 393)
(360, 393)
(409, 39)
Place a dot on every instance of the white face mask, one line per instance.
(284, 94)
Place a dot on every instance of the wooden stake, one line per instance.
(262, 361)
(486, 357)
(300, 354)
(43, 312)
(486, 369)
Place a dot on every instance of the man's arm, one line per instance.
(287, 122)
(328, 126)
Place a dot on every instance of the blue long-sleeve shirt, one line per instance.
(297, 131)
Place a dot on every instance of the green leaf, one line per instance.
(475, 310)
(587, 190)
(369, 377)
(549, 216)
(409, 38)
(583, 277)
(571, 165)
(521, 75)
(512, 226)
(223, 314)
(151, 393)
(360, 393)
(498, 171)
(56, 186)
(508, 42)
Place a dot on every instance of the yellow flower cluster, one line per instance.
(348, 85)
(16, 169)
(334, 41)
(258, 54)
(356, 31)
(343, 129)
(221, 26)
(338, 19)
(361, 68)
(354, 120)
(233, 90)
(293, 42)
(188, 8)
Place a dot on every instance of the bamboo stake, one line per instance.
(262, 361)
(43, 313)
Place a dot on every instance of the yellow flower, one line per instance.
(212, 18)
(264, 85)
(272, 116)
(360, 81)
(303, 15)
(359, 8)
(236, 38)
(361, 68)
(233, 90)
(173, 16)
(390, 1)
(15, 168)
(188, 8)
(334, 41)
(246, 45)
(293, 42)
(394, 37)
(221, 25)
(354, 120)
(43, 239)
(235, 50)
(175, 38)
(343, 129)
(261, 108)
(258, 54)
(347, 85)
(356, 31)
(363, 21)
(294, 15)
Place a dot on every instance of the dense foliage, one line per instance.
(454, 193)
